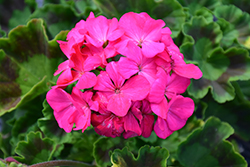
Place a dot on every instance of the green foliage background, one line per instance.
(215, 35)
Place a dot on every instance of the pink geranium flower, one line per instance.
(119, 93)
(102, 30)
(71, 109)
(179, 110)
(105, 122)
(135, 62)
(139, 120)
(142, 30)
(166, 85)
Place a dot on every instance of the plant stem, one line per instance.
(62, 163)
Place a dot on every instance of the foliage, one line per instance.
(214, 35)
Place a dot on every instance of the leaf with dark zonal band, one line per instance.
(219, 67)
(207, 147)
(27, 64)
(57, 17)
(104, 147)
(36, 149)
(235, 112)
(194, 5)
(221, 88)
(238, 22)
(147, 157)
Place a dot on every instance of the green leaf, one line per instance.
(219, 67)
(57, 17)
(147, 156)
(83, 143)
(7, 10)
(206, 13)
(194, 5)
(245, 88)
(36, 149)
(199, 28)
(235, 112)
(207, 147)
(230, 34)
(2, 33)
(242, 4)
(104, 146)
(19, 17)
(238, 19)
(28, 64)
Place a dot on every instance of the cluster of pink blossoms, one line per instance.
(128, 77)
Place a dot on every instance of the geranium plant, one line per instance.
(122, 83)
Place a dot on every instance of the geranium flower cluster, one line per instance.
(128, 76)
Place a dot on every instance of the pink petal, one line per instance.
(77, 62)
(160, 109)
(67, 77)
(58, 99)
(63, 118)
(132, 23)
(147, 125)
(133, 52)
(102, 101)
(127, 67)
(65, 48)
(110, 50)
(91, 16)
(183, 107)
(146, 109)
(166, 66)
(97, 28)
(176, 85)
(152, 29)
(113, 32)
(82, 121)
(63, 66)
(94, 41)
(136, 88)
(148, 69)
(129, 134)
(119, 104)
(110, 125)
(156, 94)
(161, 128)
(187, 70)
(137, 113)
(104, 83)
(131, 124)
(113, 71)
(87, 80)
(174, 122)
(151, 48)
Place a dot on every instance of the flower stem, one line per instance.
(62, 163)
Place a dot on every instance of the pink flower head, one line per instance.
(119, 93)
(142, 30)
(125, 73)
